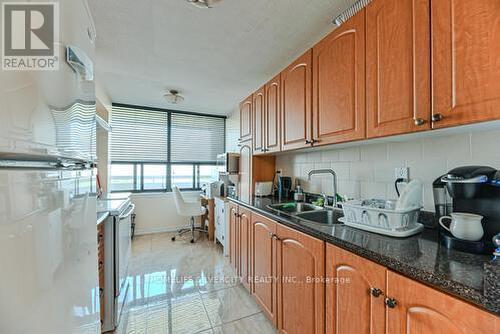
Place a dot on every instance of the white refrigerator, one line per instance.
(48, 238)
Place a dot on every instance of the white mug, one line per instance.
(466, 226)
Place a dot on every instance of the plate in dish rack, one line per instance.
(398, 234)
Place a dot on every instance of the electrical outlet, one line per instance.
(402, 173)
(279, 171)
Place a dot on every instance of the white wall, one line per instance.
(233, 131)
(156, 212)
(367, 170)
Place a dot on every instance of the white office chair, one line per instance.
(187, 209)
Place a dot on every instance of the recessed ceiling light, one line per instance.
(173, 97)
(204, 3)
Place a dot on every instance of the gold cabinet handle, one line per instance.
(419, 121)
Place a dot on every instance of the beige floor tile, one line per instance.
(257, 323)
(229, 304)
(186, 315)
(141, 244)
(179, 287)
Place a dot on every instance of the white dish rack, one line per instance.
(379, 216)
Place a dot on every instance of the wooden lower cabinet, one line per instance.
(233, 236)
(301, 290)
(245, 217)
(354, 294)
(239, 242)
(263, 265)
(421, 309)
(285, 272)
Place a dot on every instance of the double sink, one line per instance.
(308, 212)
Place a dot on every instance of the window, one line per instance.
(154, 149)
(183, 176)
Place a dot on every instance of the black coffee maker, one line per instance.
(284, 188)
(471, 189)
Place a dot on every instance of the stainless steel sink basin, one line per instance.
(295, 208)
(327, 217)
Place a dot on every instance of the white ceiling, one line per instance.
(214, 57)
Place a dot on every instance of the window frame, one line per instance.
(168, 164)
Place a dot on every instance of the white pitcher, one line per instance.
(466, 226)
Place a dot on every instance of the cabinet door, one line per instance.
(339, 84)
(397, 67)
(272, 119)
(246, 108)
(259, 121)
(351, 306)
(244, 250)
(233, 235)
(296, 93)
(465, 61)
(263, 265)
(421, 309)
(301, 303)
(245, 173)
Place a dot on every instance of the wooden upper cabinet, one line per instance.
(246, 110)
(301, 304)
(465, 61)
(352, 303)
(339, 84)
(421, 309)
(245, 190)
(259, 124)
(397, 67)
(263, 266)
(273, 115)
(245, 217)
(296, 81)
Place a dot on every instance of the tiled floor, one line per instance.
(179, 287)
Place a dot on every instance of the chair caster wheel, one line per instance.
(173, 238)
(192, 241)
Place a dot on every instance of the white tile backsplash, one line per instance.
(368, 170)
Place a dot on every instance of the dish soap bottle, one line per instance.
(298, 196)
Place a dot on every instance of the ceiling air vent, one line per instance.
(350, 12)
(204, 3)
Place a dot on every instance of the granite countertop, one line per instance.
(101, 216)
(419, 257)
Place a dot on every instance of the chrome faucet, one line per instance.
(334, 175)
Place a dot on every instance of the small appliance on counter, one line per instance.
(263, 189)
(228, 163)
(469, 190)
(232, 191)
(214, 189)
(284, 186)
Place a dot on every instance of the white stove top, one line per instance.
(113, 206)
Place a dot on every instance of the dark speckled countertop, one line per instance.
(419, 257)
